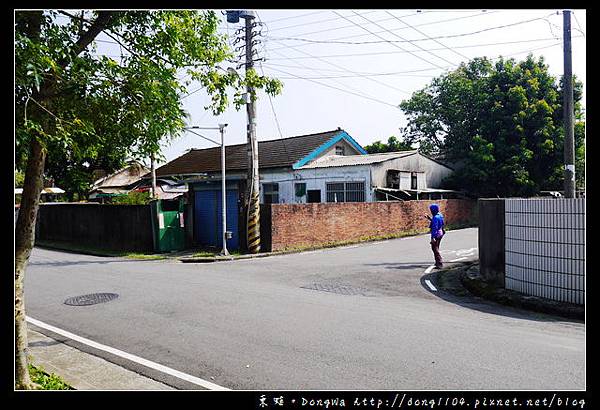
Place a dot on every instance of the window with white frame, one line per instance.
(339, 150)
(271, 193)
(345, 191)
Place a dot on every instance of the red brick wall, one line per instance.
(300, 225)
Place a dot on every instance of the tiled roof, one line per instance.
(271, 154)
(349, 160)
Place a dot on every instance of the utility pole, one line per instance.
(253, 186)
(569, 149)
(253, 214)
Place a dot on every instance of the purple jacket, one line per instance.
(437, 222)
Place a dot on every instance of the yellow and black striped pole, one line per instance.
(254, 224)
(253, 215)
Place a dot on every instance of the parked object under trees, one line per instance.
(70, 98)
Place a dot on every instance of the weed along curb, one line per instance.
(465, 279)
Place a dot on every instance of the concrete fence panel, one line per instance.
(545, 248)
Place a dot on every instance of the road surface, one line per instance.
(354, 318)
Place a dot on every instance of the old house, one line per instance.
(118, 183)
(322, 167)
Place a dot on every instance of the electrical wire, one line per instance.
(315, 22)
(402, 52)
(422, 33)
(294, 17)
(578, 25)
(388, 19)
(387, 41)
(339, 89)
(410, 41)
(330, 29)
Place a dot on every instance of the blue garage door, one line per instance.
(207, 219)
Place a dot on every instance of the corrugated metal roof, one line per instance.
(350, 160)
(123, 177)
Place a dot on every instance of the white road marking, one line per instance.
(430, 285)
(189, 378)
(465, 251)
(429, 269)
(459, 259)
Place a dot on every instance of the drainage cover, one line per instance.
(336, 288)
(91, 299)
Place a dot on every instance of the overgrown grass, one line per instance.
(47, 381)
(144, 256)
(213, 253)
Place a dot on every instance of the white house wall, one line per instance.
(315, 179)
(434, 172)
(348, 149)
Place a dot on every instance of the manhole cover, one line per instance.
(339, 289)
(91, 299)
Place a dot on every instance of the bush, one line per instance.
(133, 198)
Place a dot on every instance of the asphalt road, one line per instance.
(352, 318)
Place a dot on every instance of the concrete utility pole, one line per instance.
(569, 149)
(253, 223)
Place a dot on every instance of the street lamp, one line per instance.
(221, 129)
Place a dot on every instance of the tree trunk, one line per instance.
(24, 241)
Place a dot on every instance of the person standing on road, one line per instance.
(437, 232)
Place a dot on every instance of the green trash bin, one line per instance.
(169, 225)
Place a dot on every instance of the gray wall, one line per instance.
(545, 248)
(491, 240)
(110, 227)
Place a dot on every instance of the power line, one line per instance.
(395, 45)
(407, 73)
(330, 29)
(382, 31)
(350, 71)
(420, 32)
(271, 101)
(339, 89)
(315, 22)
(432, 49)
(402, 38)
(409, 41)
(578, 25)
(294, 17)
(343, 71)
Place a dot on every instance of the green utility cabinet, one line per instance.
(169, 225)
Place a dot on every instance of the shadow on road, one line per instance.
(457, 294)
(396, 265)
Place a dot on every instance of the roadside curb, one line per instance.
(209, 259)
(466, 279)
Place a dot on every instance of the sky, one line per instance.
(350, 68)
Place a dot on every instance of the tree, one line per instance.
(393, 145)
(73, 104)
(500, 124)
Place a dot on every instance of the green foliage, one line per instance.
(88, 108)
(132, 198)
(47, 381)
(393, 145)
(499, 124)
(19, 179)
